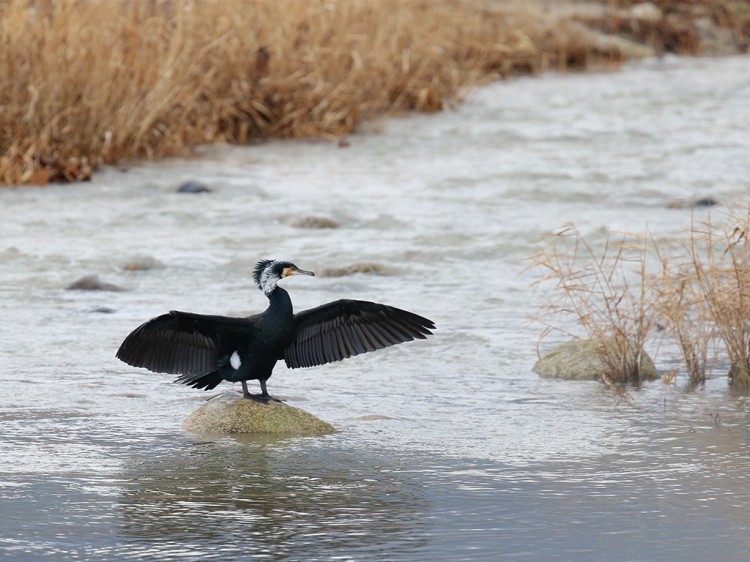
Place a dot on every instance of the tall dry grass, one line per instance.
(699, 295)
(681, 312)
(605, 290)
(719, 255)
(90, 81)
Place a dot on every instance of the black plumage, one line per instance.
(205, 350)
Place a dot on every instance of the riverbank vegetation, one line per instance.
(90, 82)
(691, 295)
(605, 290)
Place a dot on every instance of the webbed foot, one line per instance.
(265, 398)
(262, 397)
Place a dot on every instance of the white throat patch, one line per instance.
(268, 279)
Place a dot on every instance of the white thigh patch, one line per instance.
(235, 361)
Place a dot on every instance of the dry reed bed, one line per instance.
(633, 291)
(84, 82)
(89, 81)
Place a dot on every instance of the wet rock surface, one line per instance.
(692, 204)
(307, 221)
(230, 413)
(93, 283)
(584, 360)
(142, 263)
(191, 186)
(353, 269)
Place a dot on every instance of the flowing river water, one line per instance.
(447, 449)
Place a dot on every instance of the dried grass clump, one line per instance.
(720, 271)
(605, 292)
(680, 311)
(85, 82)
(699, 297)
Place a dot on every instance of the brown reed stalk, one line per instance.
(720, 261)
(680, 311)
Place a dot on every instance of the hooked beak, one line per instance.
(297, 271)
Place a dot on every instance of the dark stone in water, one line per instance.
(102, 310)
(693, 204)
(192, 187)
(706, 202)
(93, 283)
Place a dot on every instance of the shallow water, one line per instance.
(449, 448)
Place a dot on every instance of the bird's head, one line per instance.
(269, 272)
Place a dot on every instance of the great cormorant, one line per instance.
(205, 350)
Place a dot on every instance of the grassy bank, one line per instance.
(90, 82)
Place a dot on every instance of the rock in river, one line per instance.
(231, 413)
(92, 283)
(305, 221)
(582, 360)
(362, 267)
(142, 263)
(191, 186)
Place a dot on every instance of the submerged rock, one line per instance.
(362, 267)
(142, 263)
(231, 413)
(191, 186)
(582, 360)
(692, 204)
(92, 283)
(102, 310)
(706, 202)
(307, 221)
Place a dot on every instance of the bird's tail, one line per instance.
(207, 382)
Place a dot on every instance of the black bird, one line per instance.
(205, 350)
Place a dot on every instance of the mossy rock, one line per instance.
(230, 413)
(584, 360)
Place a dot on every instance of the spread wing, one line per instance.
(183, 343)
(343, 328)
